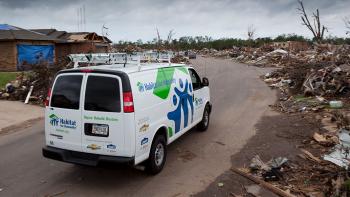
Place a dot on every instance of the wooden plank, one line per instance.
(28, 95)
(310, 155)
(262, 183)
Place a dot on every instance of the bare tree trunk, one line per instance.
(347, 24)
(317, 29)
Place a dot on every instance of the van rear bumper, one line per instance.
(88, 159)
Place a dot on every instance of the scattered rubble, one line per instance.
(314, 82)
(272, 56)
(311, 78)
(32, 86)
(310, 88)
(341, 155)
(321, 168)
(180, 59)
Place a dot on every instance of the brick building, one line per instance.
(20, 48)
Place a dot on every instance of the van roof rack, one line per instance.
(120, 58)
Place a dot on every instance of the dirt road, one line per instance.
(239, 99)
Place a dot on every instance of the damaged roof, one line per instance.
(9, 32)
(63, 36)
(53, 33)
(86, 36)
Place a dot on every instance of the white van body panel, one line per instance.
(115, 143)
(164, 100)
(63, 126)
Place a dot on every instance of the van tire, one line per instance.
(154, 166)
(204, 124)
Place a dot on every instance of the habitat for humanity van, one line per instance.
(124, 113)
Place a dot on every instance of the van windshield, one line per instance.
(102, 94)
(66, 92)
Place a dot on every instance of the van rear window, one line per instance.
(66, 92)
(102, 94)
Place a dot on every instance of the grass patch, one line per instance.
(300, 98)
(6, 77)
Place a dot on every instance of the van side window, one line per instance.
(66, 92)
(196, 81)
(102, 94)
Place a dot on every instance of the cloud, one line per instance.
(132, 20)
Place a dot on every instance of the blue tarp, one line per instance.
(7, 27)
(34, 54)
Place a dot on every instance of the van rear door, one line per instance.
(63, 115)
(102, 117)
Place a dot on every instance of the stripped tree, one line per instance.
(170, 38)
(347, 24)
(317, 28)
(251, 32)
(159, 40)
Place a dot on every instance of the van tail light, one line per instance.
(47, 100)
(128, 102)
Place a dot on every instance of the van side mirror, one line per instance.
(205, 81)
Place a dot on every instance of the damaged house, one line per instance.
(76, 42)
(20, 49)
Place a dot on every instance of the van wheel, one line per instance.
(157, 155)
(204, 124)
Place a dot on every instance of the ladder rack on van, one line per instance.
(120, 58)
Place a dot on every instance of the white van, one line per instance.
(123, 113)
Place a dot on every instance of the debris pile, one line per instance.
(321, 168)
(126, 49)
(313, 83)
(270, 56)
(180, 59)
(308, 175)
(317, 165)
(311, 87)
(32, 85)
(228, 53)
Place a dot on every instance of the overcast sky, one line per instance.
(132, 20)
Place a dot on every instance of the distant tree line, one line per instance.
(200, 42)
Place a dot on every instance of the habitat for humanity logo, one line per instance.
(140, 86)
(65, 123)
(154, 85)
(183, 101)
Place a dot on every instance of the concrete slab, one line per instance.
(15, 113)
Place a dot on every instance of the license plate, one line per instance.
(100, 129)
